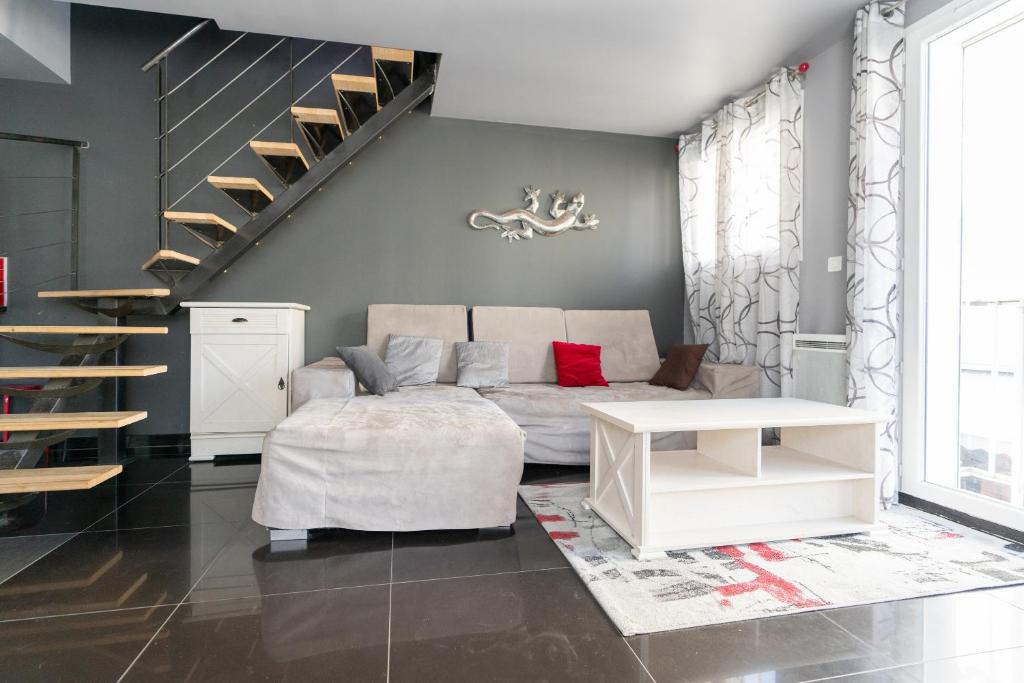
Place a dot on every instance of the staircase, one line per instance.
(77, 373)
(328, 139)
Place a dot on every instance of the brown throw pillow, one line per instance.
(680, 367)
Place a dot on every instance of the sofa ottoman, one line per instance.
(428, 457)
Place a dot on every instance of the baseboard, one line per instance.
(206, 447)
(961, 518)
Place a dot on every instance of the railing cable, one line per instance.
(196, 72)
(260, 131)
(222, 89)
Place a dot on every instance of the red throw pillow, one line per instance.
(578, 365)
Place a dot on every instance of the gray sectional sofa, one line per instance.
(447, 457)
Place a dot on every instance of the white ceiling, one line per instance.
(646, 67)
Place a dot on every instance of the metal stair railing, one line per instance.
(303, 188)
(220, 257)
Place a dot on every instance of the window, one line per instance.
(964, 375)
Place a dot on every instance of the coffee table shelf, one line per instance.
(676, 471)
(821, 480)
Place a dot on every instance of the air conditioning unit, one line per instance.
(819, 367)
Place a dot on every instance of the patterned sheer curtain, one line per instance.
(740, 182)
(874, 249)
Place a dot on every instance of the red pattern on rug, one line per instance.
(549, 518)
(774, 585)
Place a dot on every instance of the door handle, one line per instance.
(280, 384)
(239, 320)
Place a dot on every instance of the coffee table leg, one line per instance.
(620, 462)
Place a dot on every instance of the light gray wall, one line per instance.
(917, 9)
(35, 40)
(389, 229)
(826, 154)
(826, 172)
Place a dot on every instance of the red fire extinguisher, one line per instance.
(3, 284)
(7, 402)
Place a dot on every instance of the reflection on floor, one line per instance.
(161, 575)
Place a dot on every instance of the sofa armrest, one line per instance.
(326, 378)
(726, 380)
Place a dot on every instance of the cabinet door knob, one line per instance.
(280, 384)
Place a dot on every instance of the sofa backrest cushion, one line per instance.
(529, 333)
(449, 323)
(628, 350)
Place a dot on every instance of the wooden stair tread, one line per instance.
(79, 329)
(36, 422)
(392, 54)
(169, 255)
(67, 372)
(233, 183)
(103, 293)
(316, 115)
(350, 83)
(56, 478)
(278, 149)
(193, 217)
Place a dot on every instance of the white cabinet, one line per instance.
(242, 358)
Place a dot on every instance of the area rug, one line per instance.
(913, 554)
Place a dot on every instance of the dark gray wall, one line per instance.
(389, 229)
(392, 228)
(110, 104)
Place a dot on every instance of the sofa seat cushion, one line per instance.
(628, 350)
(424, 457)
(529, 333)
(557, 429)
(450, 324)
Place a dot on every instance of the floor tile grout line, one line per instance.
(391, 586)
(149, 642)
(70, 535)
(174, 611)
(222, 522)
(148, 486)
(477, 576)
(630, 646)
(839, 677)
(849, 632)
(86, 613)
(268, 595)
(990, 592)
(145, 490)
(74, 534)
(917, 662)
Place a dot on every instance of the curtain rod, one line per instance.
(750, 99)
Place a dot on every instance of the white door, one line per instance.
(964, 408)
(241, 381)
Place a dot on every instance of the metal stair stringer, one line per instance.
(302, 189)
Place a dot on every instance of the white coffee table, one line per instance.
(821, 481)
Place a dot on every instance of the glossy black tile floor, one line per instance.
(161, 575)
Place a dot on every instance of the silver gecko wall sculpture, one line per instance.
(521, 224)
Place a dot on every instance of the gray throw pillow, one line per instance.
(413, 360)
(369, 369)
(482, 364)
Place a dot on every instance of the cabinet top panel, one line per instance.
(735, 413)
(243, 304)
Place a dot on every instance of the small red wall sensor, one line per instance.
(804, 66)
